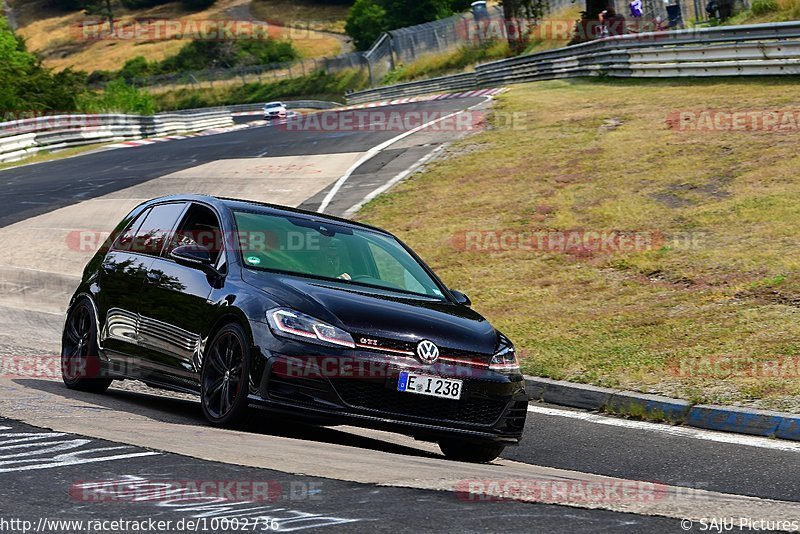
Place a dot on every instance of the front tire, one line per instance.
(470, 451)
(225, 377)
(80, 362)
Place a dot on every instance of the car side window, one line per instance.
(200, 226)
(124, 241)
(156, 228)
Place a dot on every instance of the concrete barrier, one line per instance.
(25, 137)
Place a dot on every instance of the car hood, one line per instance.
(364, 312)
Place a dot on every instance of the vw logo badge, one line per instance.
(427, 352)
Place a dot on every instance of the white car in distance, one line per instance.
(274, 110)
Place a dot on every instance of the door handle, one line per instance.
(153, 277)
(110, 268)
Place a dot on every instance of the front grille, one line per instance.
(373, 395)
(445, 353)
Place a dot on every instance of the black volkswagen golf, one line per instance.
(255, 305)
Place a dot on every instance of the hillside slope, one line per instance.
(58, 37)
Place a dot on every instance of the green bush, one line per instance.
(26, 86)
(136, 68)
(117, 97)
(200, 55)
(763, 7)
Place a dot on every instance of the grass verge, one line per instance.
(764, 11)
(49, 156)
(441, 64)
(706, 311)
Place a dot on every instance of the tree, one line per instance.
(103, 8)
(403, 13)
(366, 20)
(519, 15)
(25, 85)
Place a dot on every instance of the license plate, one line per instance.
(434, 386)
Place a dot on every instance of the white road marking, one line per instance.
(678, 431)
(372, 152)
(24, 451)
(388, 185)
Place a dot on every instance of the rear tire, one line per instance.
(81, 368)
(470, 451)
(225, 378)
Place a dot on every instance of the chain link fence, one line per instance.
(270, 72)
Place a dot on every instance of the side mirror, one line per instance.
(192, 256)
(461, 298)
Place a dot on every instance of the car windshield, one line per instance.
(320, 249)
(273, 105)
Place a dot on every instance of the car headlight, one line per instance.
(289, 323)
(505, 359)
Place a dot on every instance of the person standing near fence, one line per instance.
(611, 23)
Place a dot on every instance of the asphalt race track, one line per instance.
(70, 456)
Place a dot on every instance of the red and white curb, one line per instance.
(428, 98)
(212, 131)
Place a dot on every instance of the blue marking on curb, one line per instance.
(733, 421)
(789, 429)
(738, 420)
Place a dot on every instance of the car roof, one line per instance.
(273, 104)
(268, 209)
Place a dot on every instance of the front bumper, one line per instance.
(360, 387)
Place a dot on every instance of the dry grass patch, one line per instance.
(53, 155)
(57, 37)
(707, 312)
(302, 13)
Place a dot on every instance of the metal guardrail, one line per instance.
(258, 106)
(447, 83)
(25, 137)
(750, 50)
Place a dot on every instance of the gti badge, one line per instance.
(427, 352)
